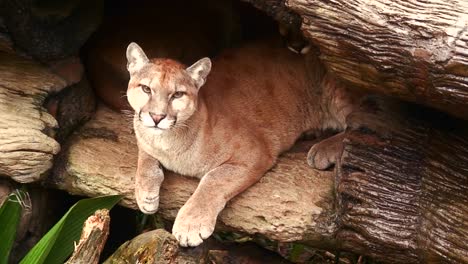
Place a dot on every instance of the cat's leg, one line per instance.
(148, 179)
(197, 218)
(324, 154)
(339, 103)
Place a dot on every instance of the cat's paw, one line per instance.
(192, 226)
(147, 200)
(324, 154)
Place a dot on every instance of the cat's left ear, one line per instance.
(199, 71)
(136, 58)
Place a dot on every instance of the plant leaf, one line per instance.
(57, 245)
(10, 214)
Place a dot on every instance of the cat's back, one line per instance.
(262, 87)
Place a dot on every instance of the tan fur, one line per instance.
(256, 102)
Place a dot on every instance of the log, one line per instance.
(27, 145)
(92, 240)
(157, 246)
(410, 49)
(291, 203)
(402, 187)
(160, 247)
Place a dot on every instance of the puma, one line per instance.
(225, 123)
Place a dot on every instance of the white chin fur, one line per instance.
(165, 124)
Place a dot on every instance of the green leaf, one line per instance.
(57, 245)
(10, 214)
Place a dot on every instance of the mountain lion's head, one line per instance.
(163, 92)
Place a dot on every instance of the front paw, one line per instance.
(193, 225)
(324, 154)
(147, 200)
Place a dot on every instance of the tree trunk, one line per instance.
(410, 49)
(402, 187)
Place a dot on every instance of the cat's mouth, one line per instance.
(161, 124)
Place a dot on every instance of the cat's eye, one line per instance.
(178, 94)
(145, 89)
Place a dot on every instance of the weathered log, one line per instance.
(277, 10)
(413, 50)
(402, 187)
(157, 246)
(27, 146)
(291, 203)
(92, 240)
(160, 247)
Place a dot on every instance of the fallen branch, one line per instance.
(93, 238)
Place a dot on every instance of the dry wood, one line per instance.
(27, 146)
(411, 49)
(402, 187)
(157, 246)
(160, 247)
(93, 238)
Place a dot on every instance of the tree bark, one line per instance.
(27, 145)
(402, 187)
(413, 50)
(92, 240)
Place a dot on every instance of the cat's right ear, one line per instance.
(136, 58)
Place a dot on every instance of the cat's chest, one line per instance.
(186, 159)
(185, 163)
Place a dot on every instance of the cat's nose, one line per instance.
(157, 118)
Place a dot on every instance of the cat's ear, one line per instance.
(136, 58)
(199, 71)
